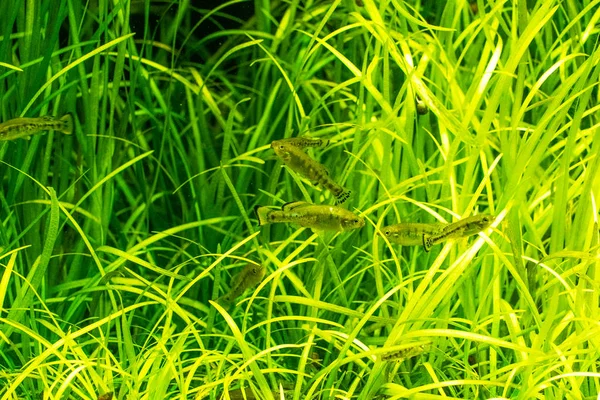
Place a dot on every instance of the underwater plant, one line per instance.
(120, 241)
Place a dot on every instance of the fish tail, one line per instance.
(262, 214)
(340, 193)
(342, 196)
(428, 242)
(67, 121)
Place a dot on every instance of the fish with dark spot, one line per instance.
(410, 233)
(250, 276)
(314, 216)
(459, 229)
(23, 128)
(298, 161)
(304, 142)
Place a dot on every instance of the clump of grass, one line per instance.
(116, 242)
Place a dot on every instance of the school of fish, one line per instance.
(335, 218)
(428, 235)
(318, 217)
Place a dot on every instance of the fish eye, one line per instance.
(387, 233)
(281, 147)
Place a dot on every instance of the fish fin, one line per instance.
(262, 214)
(325, 142)
(294, 204)
(67, 121)
(342, 197)
(26, 137)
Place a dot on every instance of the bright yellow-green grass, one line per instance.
(117, 240)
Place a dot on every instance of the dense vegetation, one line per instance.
(117, 240)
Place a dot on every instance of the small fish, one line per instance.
(106, 396)
(409, 234)
(250, 276)
(301, 163)
(240, 394)
(303, 142)
(403, 354)
(314, 216)
(474, 7)
(459, 229)
(25, 127)
(422, 108)
(246, 394)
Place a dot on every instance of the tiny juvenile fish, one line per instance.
(403, 354)
(459, 229)
(25, 127)
(250, 276)
(303, 142)
(300, 162)
(106, 396)
(409, 234)
(422, 108)
(316, 217)
(246, 394)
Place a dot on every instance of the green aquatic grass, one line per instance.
(116, 241)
